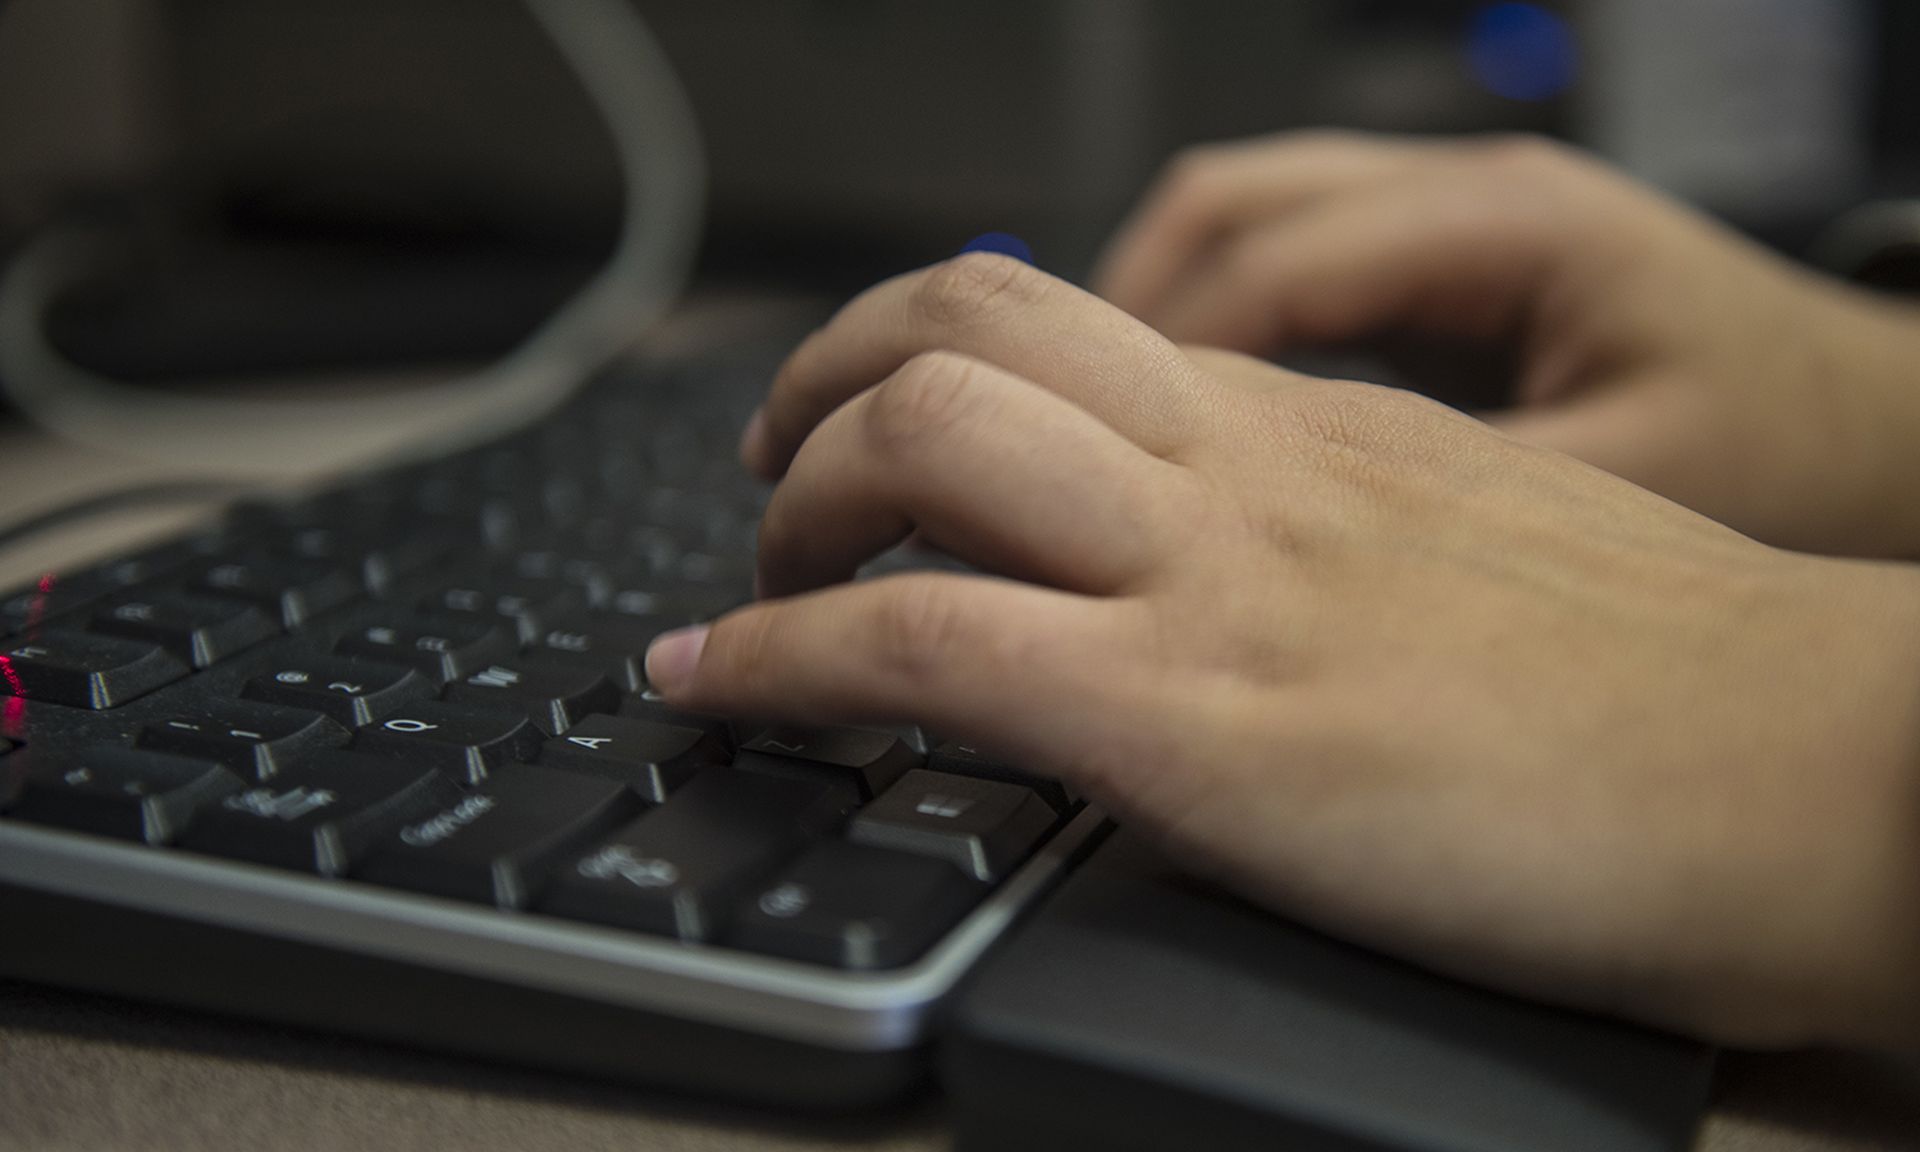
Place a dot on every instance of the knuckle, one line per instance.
(929, 396)
(922, 630)
(974, 286)
(1375, 438)
(1338, 420)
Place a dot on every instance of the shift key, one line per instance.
(496, 844)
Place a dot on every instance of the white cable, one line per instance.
(629, 80)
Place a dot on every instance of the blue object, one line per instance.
(1002, 242)
(1522, 51)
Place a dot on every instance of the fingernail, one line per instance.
(753, 440)
(672, 656)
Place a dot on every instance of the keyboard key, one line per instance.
(152, 564)
(652, 759)
(588, 575)
(50, 597)
(379, 560)
(617, 644)
(856, 906)
(642, 706)
(56, 594)
(669, 610)
(553, 694)
(683, 867)
(255, 740)
(467, 744)
(129, 793)
(515, 601)
(354, 692)
(495, 845)
(872, 758)
(320, 816)
(965, 760)
(202, 630)
(983, 826)
(441, 649)
(82, 670)
(292, 591)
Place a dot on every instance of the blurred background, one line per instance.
(289, 185)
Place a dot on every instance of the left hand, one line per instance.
(1365, 659)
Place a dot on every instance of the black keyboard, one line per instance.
(381, 759)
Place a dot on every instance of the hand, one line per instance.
(1649, 341)
(1362, 658)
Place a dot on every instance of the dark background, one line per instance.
(315, 183)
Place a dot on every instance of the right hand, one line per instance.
(1650, 341)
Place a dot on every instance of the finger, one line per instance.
(992, 308)
(987, 467)
(1210, 192)
(1395, 257)
(1017, 668)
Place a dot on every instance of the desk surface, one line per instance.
(83, 1072)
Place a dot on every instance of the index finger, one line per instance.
(991, 308)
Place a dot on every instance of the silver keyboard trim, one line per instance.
(862, 1012)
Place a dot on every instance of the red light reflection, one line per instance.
(13, 714)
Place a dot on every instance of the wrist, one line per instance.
(1872, 386)
(1862, 979)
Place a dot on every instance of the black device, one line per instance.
(380, 760)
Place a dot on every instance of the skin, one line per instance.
(1367, 660)
(1648, 340)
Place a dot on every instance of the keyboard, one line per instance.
(381, 759)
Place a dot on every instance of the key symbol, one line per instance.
(30, 652)
(634, 603)
(292, 677)
(405, 725)
(568, 641)
(432, 644)
(343, 686)
(79, 776)
(495, 677)
(243, 734)
(945, 807)
(380, 636)
(135, 612)
(801, 747)
(227, 576)
(592, 743)
(786, 901)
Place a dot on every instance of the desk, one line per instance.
(85, 1072)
